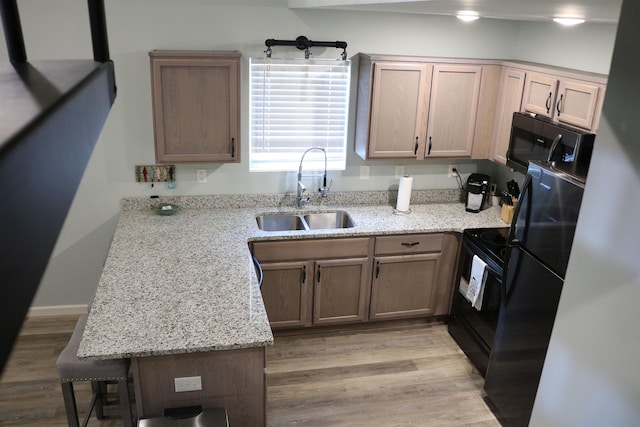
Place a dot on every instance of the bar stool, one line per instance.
(99, 372)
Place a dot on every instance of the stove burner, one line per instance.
(503, 252)
(491, 242)
(495, 237)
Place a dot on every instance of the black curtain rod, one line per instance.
(303, 43)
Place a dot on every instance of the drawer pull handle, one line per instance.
(411, 244)
(304, 274)
(415, 150)
(377, 269)
(318, 279)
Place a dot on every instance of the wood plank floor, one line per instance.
(398, 375)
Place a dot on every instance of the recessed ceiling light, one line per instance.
(467, 16)
(568, 21)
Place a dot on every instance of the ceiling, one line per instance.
(594, 11)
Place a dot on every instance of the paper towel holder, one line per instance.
(397, 212)
(404, 196)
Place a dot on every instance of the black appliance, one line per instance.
(538, 248)
(477, 192)
(473, 329)
(537, 139)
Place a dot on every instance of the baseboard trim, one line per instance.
(57, 310)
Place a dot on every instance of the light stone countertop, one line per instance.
(186, 283)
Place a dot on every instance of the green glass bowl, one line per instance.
(166, 209)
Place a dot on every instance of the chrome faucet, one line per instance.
(301, 188)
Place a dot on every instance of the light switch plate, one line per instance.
(399, 171)
(202, 176)
(364, 172)
(187, 384)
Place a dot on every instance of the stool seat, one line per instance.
(71, 369)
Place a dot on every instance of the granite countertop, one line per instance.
(186, 283)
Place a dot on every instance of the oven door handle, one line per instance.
(468, 249)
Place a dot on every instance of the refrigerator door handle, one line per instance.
(511, 240)
(526, 191)
(506, 292)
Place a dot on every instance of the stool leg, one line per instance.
(125, 403)
(70, 404)
(96, 387)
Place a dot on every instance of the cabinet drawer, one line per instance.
(408, 244)
(291, 250)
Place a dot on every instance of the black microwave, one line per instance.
(535, 138)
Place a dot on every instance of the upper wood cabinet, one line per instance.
(399, 104)
(455, 91)
(509, 101)
(196, 105)
(418, 109)
(565, 100)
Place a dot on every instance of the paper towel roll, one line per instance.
(404, 193)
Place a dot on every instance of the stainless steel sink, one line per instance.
(279, 222)
(311, 221)
(318, 221)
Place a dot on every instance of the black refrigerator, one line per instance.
(536, 261)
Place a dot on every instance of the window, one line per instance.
(296, 105)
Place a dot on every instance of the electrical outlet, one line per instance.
(202, 176)
(364, 172)
(451, 173)
(187, 384)
(399, 171)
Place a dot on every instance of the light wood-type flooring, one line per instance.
(409, 374)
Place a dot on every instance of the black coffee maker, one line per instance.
(477, 192)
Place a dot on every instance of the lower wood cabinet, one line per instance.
(231, 379)
(413, 275)
(336, 281)
(341, 290)
(315, 282)
(286, 293)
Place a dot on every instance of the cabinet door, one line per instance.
(576, 103)
(452, 115)
(509, 101)
(404, 286)
(286, 294)
(540, 94)
(196, 106)
(340, 291)
(400, 98)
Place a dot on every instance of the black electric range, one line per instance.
(473, 329)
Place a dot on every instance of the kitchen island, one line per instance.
(179, 295)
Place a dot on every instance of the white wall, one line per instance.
(591, 376)
(586, 47)
(52, 31)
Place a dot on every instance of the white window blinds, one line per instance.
(297, 104)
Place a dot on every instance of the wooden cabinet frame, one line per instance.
(196, 106)
(333, 273)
